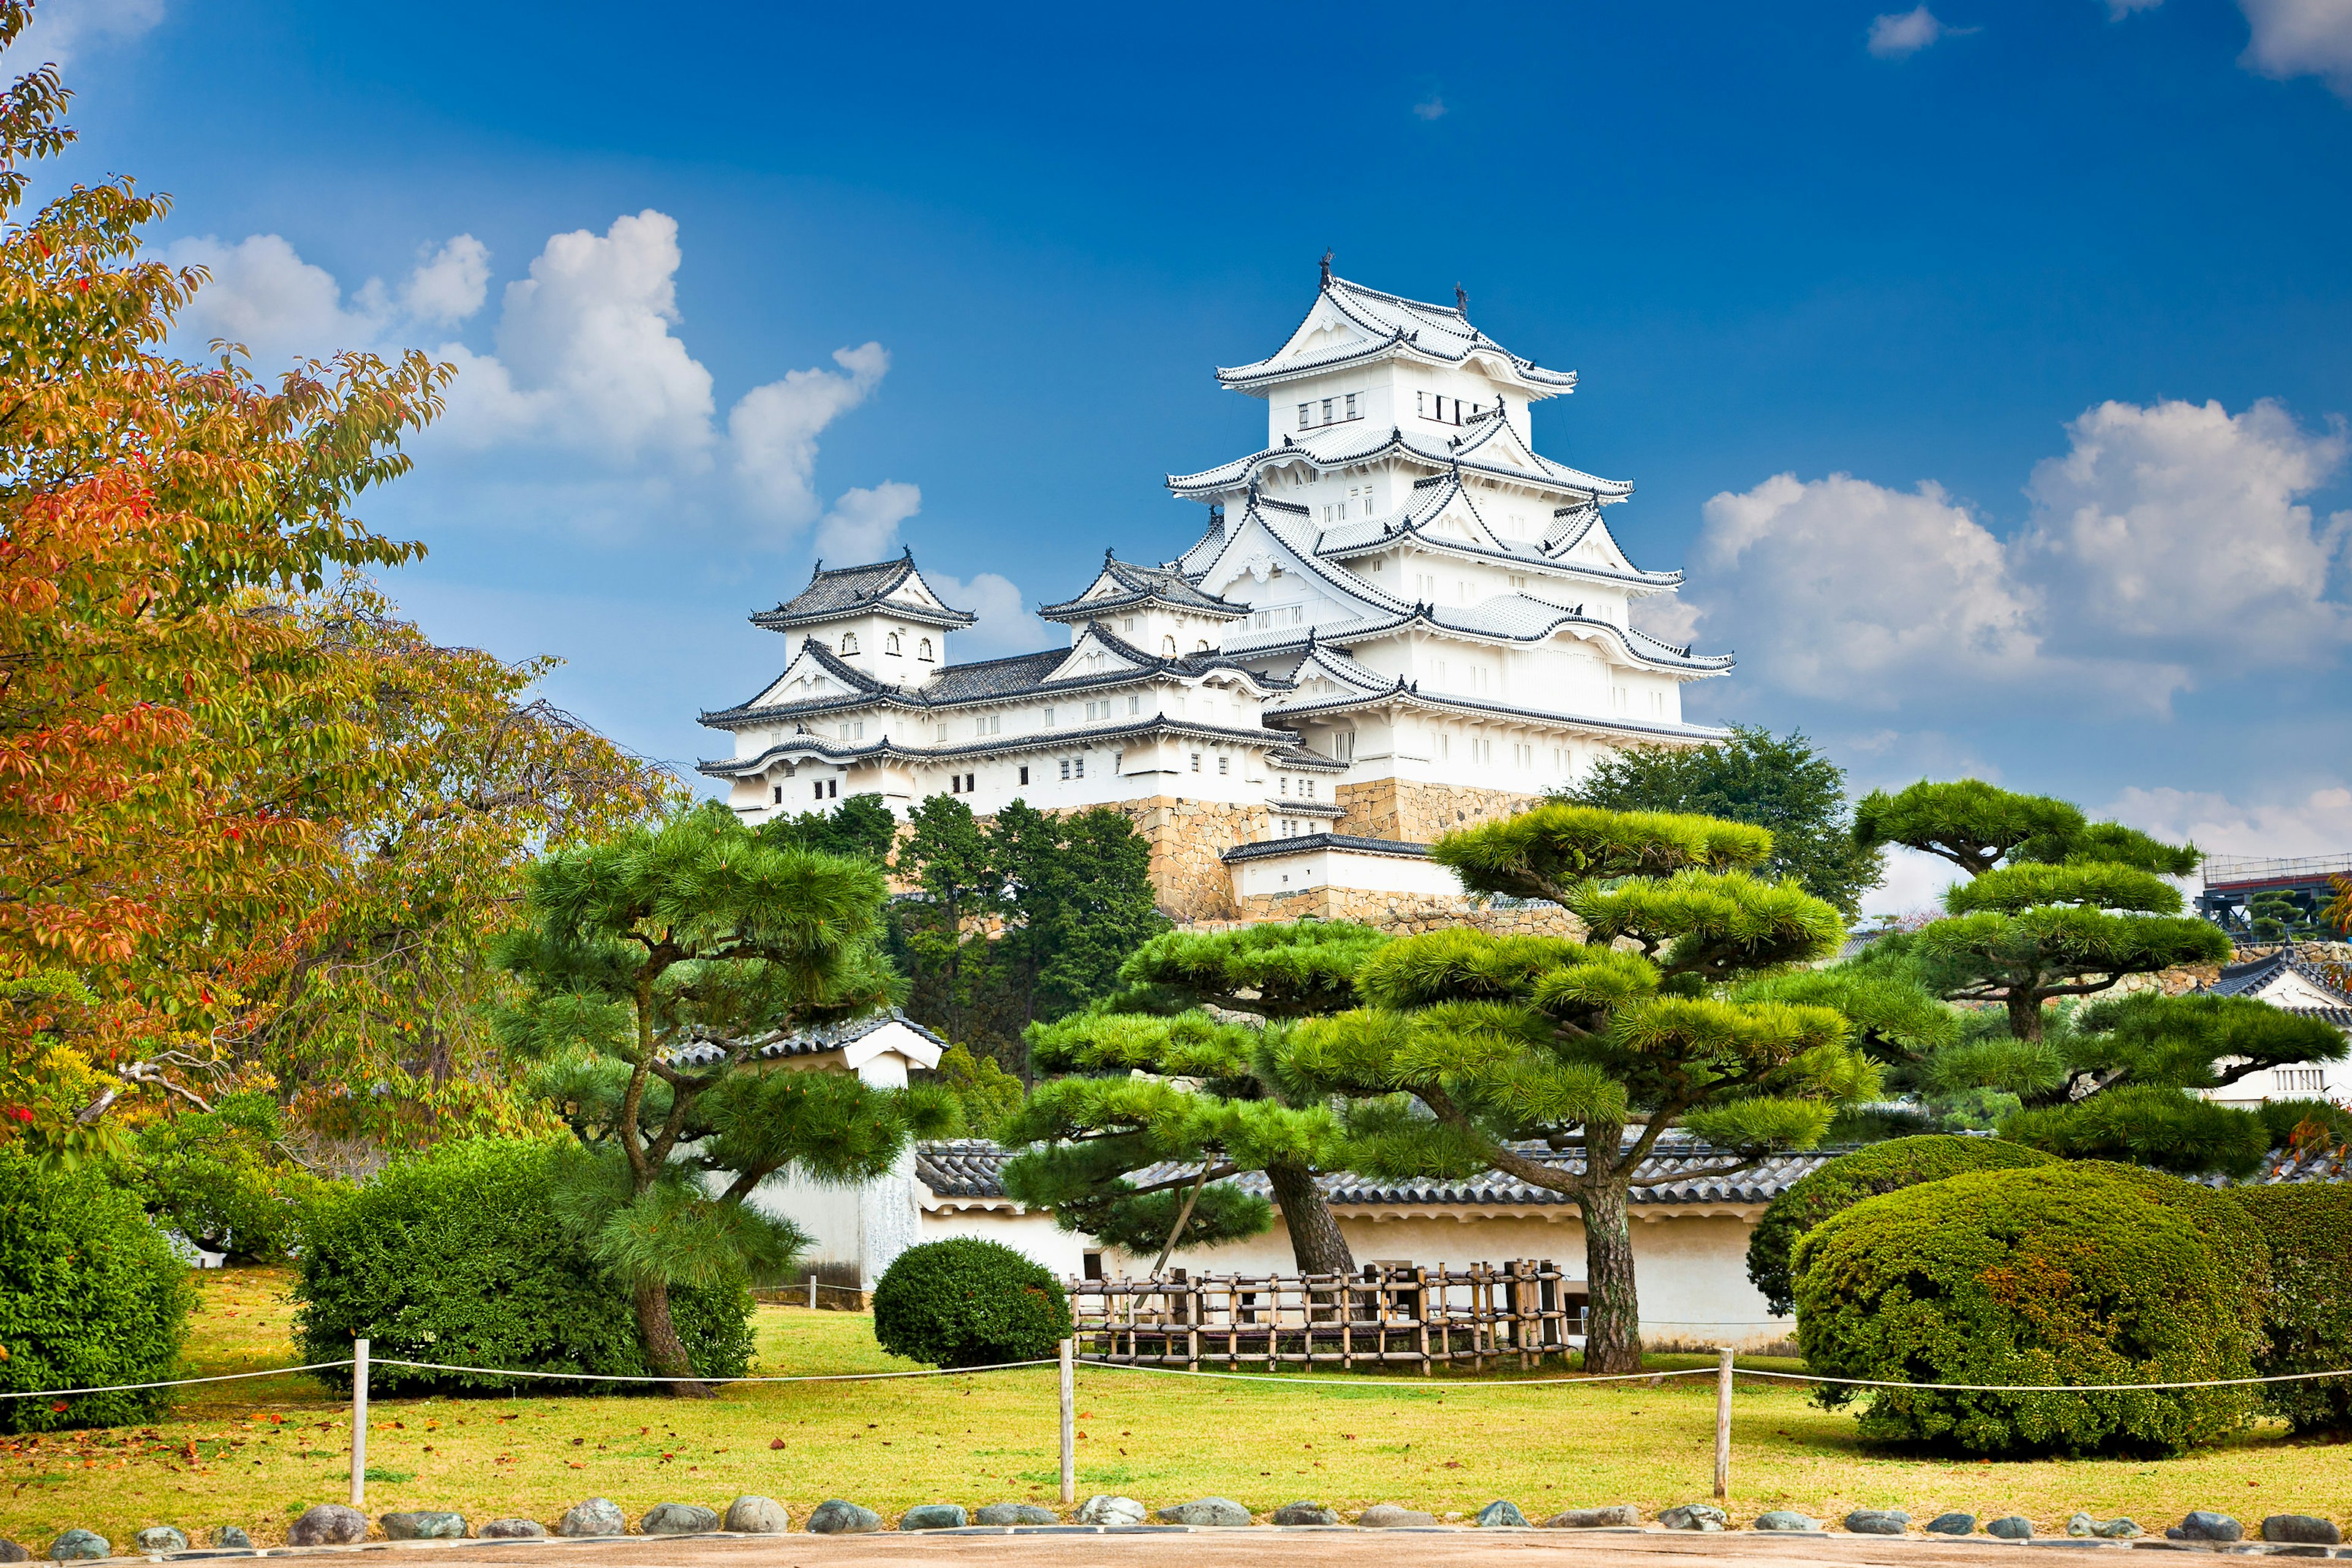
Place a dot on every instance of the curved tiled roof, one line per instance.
(855, 590)
(846, 753)
(1392, 324)
(776, 1045)
(1143, 584)
(1338, 447)
(1305, 843)
(2250, 977)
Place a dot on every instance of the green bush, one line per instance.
(221, 1179)
(966, 1303)
(1850, 1178)
(90, 1294)
(458, 1257)
(2148, 1124)
(2067, 1274)
(2304, 1124)
(2308, 1311)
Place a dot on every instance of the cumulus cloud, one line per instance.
(2119, 9)
(267, 298)
(774, 429)
(1899, 34)
(863, 523)
(2301, 38)
(451, 284)
(2316, 822)
(2165, 536)
(1432, 108)
(2176, 528)
(64, 28)
(1005, 624)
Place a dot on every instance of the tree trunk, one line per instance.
(1316, 1242)
(2025, 1014)
(1612, 1329)
(664, 1349)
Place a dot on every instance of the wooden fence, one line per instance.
(1391, 1316)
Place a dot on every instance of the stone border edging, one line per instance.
(2229, 1549)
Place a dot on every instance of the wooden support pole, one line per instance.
(1723, 1423)
(811, 1292)
(358, 1423)
(1069, 1422)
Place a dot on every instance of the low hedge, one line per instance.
(458, 1257)
(2069, 1273)
(2308, 1311)
(90, 1294)
(967, 1302)
(1847, 1180)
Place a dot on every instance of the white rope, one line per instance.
(171, 1383)
(1346, 1381)
(617, 1378)
(2043, 1387)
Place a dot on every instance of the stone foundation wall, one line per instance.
(1187, 839)
(1404, 914)
(1417, 813)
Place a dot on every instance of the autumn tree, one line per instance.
(658, 959)
(149, 510)
(1516, 1048)
(1184, 1068)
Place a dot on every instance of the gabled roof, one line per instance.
(1390, 325)
(845, 590)
(2289, 982)
(1492, 450)
(1432, 500)
(802, 746)
(1122, 585)
(706, 1050)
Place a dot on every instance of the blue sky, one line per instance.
(1986, 365)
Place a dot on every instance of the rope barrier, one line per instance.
(170, 1383)
(632, 1377)
(1346, 1381)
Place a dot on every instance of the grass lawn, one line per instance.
(257, 1453)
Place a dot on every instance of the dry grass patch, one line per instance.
(257, 1453)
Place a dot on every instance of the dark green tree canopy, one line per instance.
(1778, 783)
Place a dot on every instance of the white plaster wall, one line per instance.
(1341, 868)
(1033, 1234)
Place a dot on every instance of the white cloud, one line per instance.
(2175, 527)
(585, 342)
(2119, 9)
(450, 285)
(62, 28)
(2167, 538)
(1005, 625)
(1433, 109)
(774, 429)
(2317, 822)
(863, 523)
(1841, 588)
(1899, 34)
(2301, 38)
(1914, 881)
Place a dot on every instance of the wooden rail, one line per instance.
(1390, 1316)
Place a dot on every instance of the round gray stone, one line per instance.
(1783, 1519)
(510, 1530)
(757, 1516)
(1208, 1511)
(1501, 1515)
(2078, 1524)
(2202, 1524)
(160, 1538)
(1616, 1516)
(1111, 1511)
(230, 1537)
(1695, 1516)
(77, 1544)
(2302, 1530)
(1952, 1524)
(1295, 1513)
(678, 1519)
(2117, 1530)
(1393, 1516)
(835, 1517)
(1878, 1521)
(10, 1551)
(934, 1516)
(2011, 1527)
(1015, 1513)
(423, 1524)
(597, 1515)
(327, 1524)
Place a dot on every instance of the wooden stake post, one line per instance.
(1722, 1424)
(358, 1423)
(1069, 1422)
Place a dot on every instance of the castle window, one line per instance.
(1118, 761)
(1302, 416)
(891, 643)
(1135, 703)
(1127, 624)
(1196, 762)
(1310, 789)
(849, 642)
(1327, 411)
(1225, 763)
(1078, 768)
(1351, 405)
(1168, 647)
(923, 648)
(1420, 403)
(1049, 716)
(943, 732)
(1285, 784)
(1201, 647)
(780, 795)
(1025, 775)
(1066, 767)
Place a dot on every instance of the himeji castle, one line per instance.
(1400, 619)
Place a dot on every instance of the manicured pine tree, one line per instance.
(2058, 907)
(1603, 1044)
(692, 932)
(1165, 1080)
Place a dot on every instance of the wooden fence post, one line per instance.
(1723, 1423)
(1069, 1426)
(358, 1423)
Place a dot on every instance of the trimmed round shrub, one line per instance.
(1864, 1173)
(458, 1257)
(2308, 1311)
(967, 1302)
(2066, 1274)
(90, 1295)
